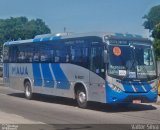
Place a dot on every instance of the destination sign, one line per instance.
(118, 42)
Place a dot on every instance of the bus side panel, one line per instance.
(18, 73)
(62, 79)
(97, 88)
(51, 80)
(74, 74)
(37, 75)
(56, 79)
(77, 74)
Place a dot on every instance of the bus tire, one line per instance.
(28, 90)
(81, 98)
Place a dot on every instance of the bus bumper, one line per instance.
(123, 97)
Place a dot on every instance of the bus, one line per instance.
(106, 67)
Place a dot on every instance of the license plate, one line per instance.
(136, 101)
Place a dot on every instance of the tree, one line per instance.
(21, 28)
(153, 24)
(156, 32)
(152, 18)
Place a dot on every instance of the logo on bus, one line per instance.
(19, 70)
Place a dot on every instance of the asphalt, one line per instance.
(13, 118)
(7, 118)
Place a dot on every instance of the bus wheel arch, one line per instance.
(28, 89)
(81, 95)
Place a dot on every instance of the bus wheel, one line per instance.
(81, 98)
(28, 90)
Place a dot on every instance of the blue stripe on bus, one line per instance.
(37, 40)
(56, 38)
(48, 79)
(46, 39)
(138, 87)
(129, 35)
(60, 77)
(138, 36)
(128, 87)
(119, 34)
(37, 75)
(147, 86)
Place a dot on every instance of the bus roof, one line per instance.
(57, 36)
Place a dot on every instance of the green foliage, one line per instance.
(153, 24)
(152, 18)
(156, 32)
(157, 48)
(21, 28)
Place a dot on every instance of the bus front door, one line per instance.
(96, 73)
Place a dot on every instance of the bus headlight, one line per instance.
(154, 89)
(115, 88)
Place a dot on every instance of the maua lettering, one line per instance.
(19, 70)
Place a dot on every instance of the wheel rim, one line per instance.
(82, 97)
(28, 91)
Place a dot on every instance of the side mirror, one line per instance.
(105, 56)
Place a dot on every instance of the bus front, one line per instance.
(131, 75)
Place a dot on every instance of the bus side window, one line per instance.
(60, 53)
(13, 54)
(96, 60)
(29, 56)
(6, 54)
(57, 56)
(36, 57)
(21, 56)
(24, 54)
(44, 53)
(79, 55)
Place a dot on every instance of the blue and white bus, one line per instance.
(100, 67)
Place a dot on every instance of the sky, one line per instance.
(124, 16)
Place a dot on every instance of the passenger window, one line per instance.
(61, 54)
(6, 54)
(46, 53)
(13, 54)
(96, 62)
(79, 55)
(57, 56)
(36, 57)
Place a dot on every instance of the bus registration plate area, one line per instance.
(136, 101)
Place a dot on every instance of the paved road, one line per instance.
(55, 110)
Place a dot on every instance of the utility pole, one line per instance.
(64, 29)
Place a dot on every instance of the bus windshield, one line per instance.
(132, 61)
